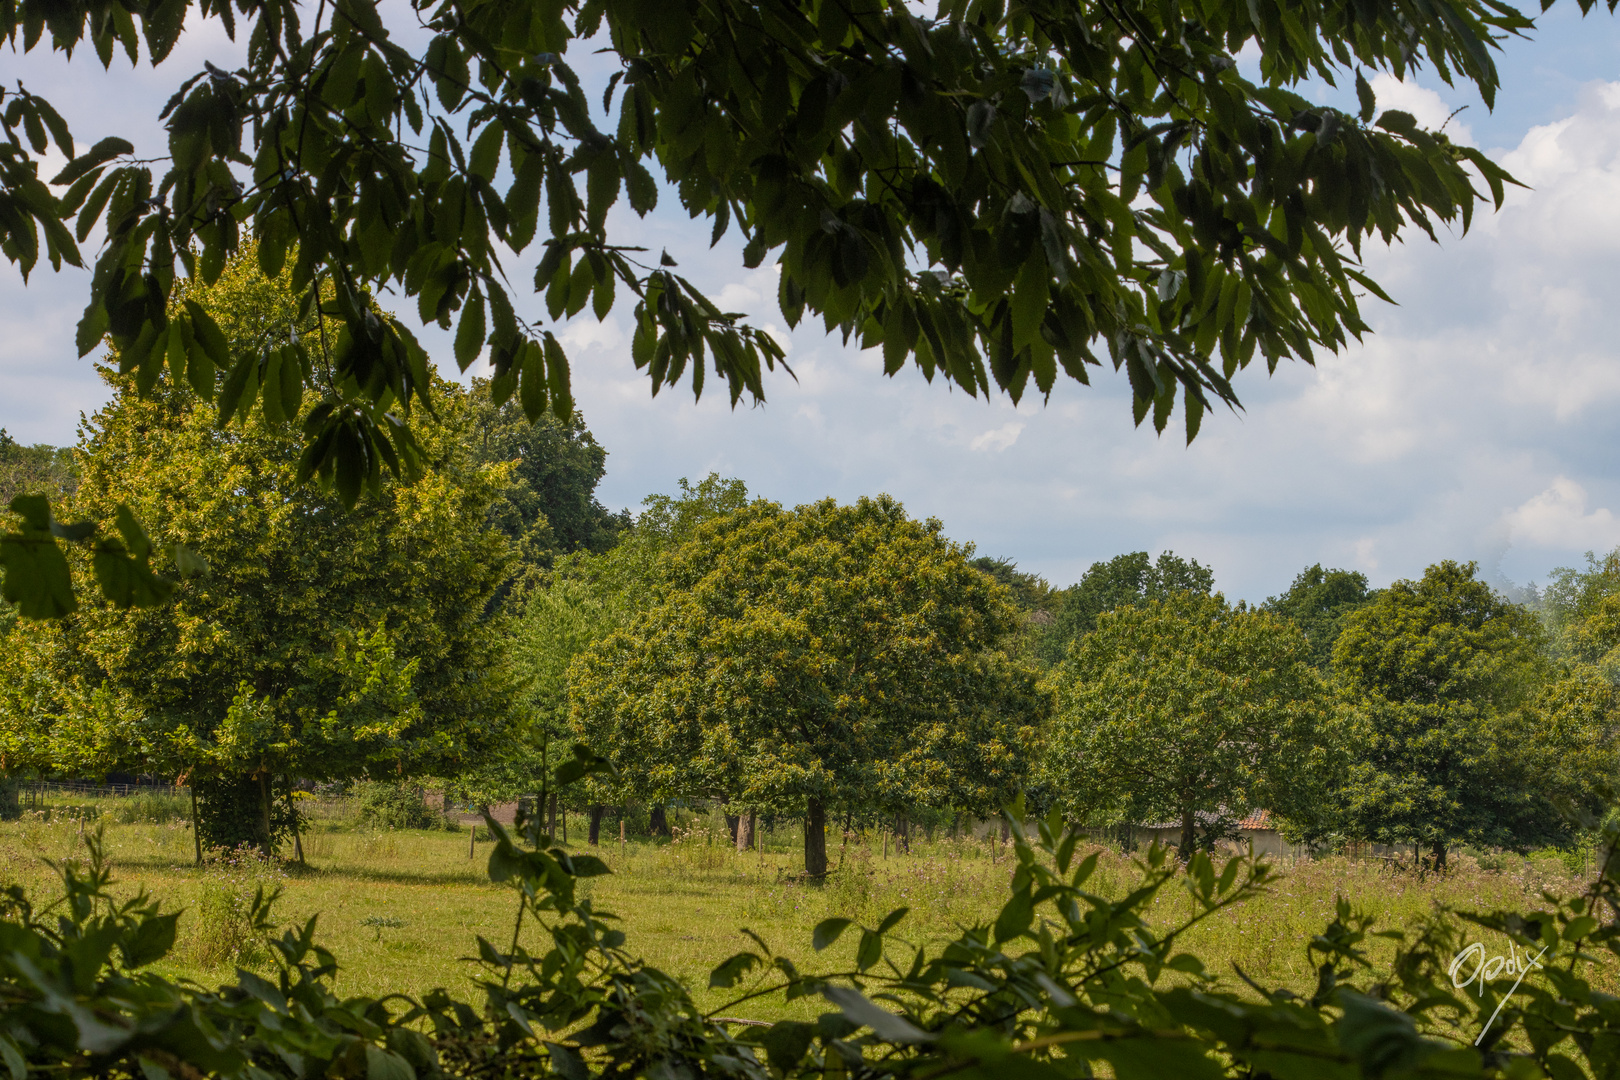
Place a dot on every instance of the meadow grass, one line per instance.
(401, 909)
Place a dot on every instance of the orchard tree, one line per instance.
(827, 657)
(1318, 602)
(1442, 676)
(549, 507)
(324, 643)
(583, 599)
(1187, 706)
(1002, 195)
(34, 470)
(1119, 582)
(1582, 611)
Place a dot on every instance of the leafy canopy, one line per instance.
(1447, 744)
(324, 643)
(828, 656)
(1582, 611)
(1318, 602)
(995, 193)
(1184, 707)
(1121, 581)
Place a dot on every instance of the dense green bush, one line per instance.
(1062, 983)
(384, 805)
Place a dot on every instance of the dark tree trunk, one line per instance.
(1189, 828)
(1437, 850)
(551, 817)
(732, 821)
(815, 840)
(292, 818)
(10, 802)
(596, 811)
(657, 823)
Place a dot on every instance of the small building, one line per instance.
(1258, 828)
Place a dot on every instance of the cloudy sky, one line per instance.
(1477, 423)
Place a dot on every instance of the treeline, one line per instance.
(850, 664)
(839, 663)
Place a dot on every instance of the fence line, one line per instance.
(33, 792)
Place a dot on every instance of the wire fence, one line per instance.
(32, 794)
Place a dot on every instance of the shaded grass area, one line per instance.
(400, 909)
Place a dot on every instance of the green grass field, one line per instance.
(401, 908)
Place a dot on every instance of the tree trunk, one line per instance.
(551, 817)
(657, 822)
(1437, 849)
(815, 840)
(292, 817)
(10, 802)
(232, 812)
(745, 832)
(596, 811)
(264, 810)
(196, 827)
(1188, 834)
(732, 821)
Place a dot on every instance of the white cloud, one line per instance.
(1558, 518)
(998, 438)
(1429, 108)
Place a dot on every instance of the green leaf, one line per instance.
(1031, 296)
(470, 331)
(892, 919)
(37, 577)
(870, 950)
(485, 158)
(557, 379)
(641, 188)
(1016, 916)
(102, 152)
(827, 932)
(730, 972)
(1364, 94)
(238, 392)
(532, 381)
(152, 940)
(786, 1042)
(886, 1025)
(386, 1065)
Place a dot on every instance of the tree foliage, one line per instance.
(549, 507)
(1582, 610)
(1186, 707)
(1448, 744)
(581, 600)
(35, 470)
(1318, 602)
(996, 193)
(1122, 581)
(815, 659)
(324, 643)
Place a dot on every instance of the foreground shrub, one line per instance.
(1063, 982)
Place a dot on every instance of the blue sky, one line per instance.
(1476, 423)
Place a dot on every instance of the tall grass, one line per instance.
(401, 907)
